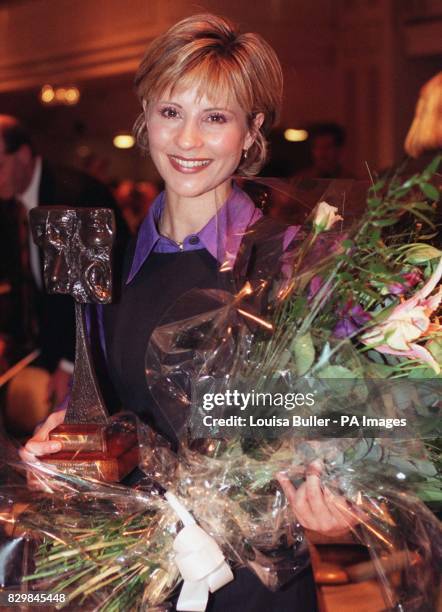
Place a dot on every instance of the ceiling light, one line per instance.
(293, 135)
(124, 141)
(47, 94)
(72, 95)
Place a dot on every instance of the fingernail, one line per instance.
(55, 446)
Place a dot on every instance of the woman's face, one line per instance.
(195, 143)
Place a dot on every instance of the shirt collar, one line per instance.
(30, 196)
(221, 236)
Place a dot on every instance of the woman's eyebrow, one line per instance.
(169, 102)
(205, 110)
(219, 108)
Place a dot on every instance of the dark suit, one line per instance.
(55, 313)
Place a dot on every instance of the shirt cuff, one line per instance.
(66, 366)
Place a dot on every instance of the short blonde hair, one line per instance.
(208, 52)
(425, 133)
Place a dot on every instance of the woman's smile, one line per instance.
(188, 165)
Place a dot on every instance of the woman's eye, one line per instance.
(216, 118)
(169, 112)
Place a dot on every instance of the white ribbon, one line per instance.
(200, 561)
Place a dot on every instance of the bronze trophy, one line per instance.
(77, 246)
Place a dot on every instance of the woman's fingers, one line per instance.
(40, 444)
(322, 519)
(45, 447)
(297, 499)
(315, 507)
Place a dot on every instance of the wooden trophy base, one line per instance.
(103, 452)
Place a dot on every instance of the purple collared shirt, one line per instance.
(221, 236)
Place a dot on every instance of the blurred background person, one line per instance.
(97, 166)
(424, 138)
(327, 141)
(134, 200)
(30, 318)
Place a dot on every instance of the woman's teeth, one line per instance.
(190, 164)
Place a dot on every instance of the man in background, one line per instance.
(327, 141)
(30, 316)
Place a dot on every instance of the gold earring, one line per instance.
(245, 153)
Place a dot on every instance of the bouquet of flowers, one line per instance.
(329, 354)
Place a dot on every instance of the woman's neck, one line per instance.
(183, 216)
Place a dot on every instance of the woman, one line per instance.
(209, 97)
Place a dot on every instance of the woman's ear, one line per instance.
(257, 122)
(145, 106)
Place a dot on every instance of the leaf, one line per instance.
(410, 182)
(433, 166)
(385, 222)
(304, 353)
(380, 370)
(376, 357)
(377, 267)
(419, 206)
(373, 202)
(430, 191)
(345, 276)
(378, 185)
(419, 373)
(298, 306)
(375, 237)
(285, 358)
(429, 494)
(421, 253)
(347, 244)
(434, 345)
(336, 371)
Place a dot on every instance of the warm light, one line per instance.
(47, 94)
(293, 135)
(72, 95)
(59, 95)
(124, 141)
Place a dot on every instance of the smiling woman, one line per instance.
(197, 144)
(209, 96)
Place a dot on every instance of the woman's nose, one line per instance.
(189, 135)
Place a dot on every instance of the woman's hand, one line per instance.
(315, 507)
(39, 444)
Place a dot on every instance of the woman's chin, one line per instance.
(191, 188)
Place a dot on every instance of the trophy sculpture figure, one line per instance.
(77, 247)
